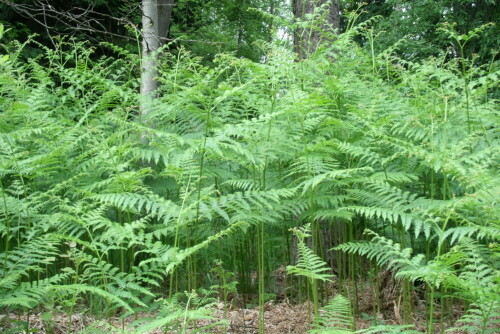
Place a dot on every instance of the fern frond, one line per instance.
(389, 329)
(82, 288)
(335, 318)
(180, 256)
(308, 264)
(484, 320)
(333, 175)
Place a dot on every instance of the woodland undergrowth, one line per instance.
(392, 166)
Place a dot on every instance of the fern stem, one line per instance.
(352, 274)
(466, 85)
(192, 269)
(430, 326)
(339, 256)
(122, 251)
(314, 290)
(176, 237)
(407, 312)
(371, 38)
(260, 274)
(345, 261)
(442, 309)
(432, 287)
(7, 232)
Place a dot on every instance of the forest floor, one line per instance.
(281, 316)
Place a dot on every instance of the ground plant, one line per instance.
(359, 171)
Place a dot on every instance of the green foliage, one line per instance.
(389, 329)
(476, 320)
(78, 217)
(225, 26)
(99, 206)
(173, 316)
(308, 264)
(335, 317)
(414, 26)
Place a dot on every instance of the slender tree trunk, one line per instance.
(164, 14)
(323, 27)
(155, 23)
(272, 12)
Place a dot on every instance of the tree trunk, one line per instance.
(272, 12)
(322, 28)
(155, 23)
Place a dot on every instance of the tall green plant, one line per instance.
(309, 265)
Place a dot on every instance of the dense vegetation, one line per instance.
(355, 166)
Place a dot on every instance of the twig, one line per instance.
(87, 21)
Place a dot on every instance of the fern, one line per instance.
(388, 253)
(308, 264)
(94, 202)
(82, 288)
(389, 329)
(174, 316)
(482, 319)
(30, 294)
(335, 317)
